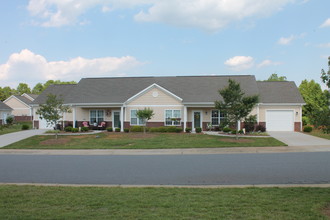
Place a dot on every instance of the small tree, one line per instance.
(325, 76)
(235, 105)
(52, 111)
(145, 114)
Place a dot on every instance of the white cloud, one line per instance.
(326, 45)
(267, 63)
(239, 63)
(288, 40)
(210, 15)
(26, 66)
(326, 23)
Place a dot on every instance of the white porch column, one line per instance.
(122, 119)
(74, 116)
(185, 112)
(258, 113)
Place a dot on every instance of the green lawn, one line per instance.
(319, 133)
(54, 202)
(114, 140)
(13, 128)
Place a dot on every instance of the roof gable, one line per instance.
(4, 107)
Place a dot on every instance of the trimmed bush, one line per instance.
(136, 129)
(198, 130)
(233, 131)
(117, 129)
(126, 130)
(178, 130)
(84, 129)
(241, 131)
(260, 128)
(226, 130)
(74, 130)
(188, 130)
(9, 120)
(25, 127)
(109, 129)
(68, 129)
(308, 129)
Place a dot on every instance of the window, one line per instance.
(96, 116)
(135, 120)
(217, 117)
(172, 117)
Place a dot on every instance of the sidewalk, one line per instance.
(190, 151)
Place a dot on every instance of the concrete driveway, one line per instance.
(298, 139)
(10, 138)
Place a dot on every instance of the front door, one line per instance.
(197, 120)
(116, 119)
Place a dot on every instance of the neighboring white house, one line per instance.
(5, 111)
(183, 101)
(20, 104)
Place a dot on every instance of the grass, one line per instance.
(14, 128)
(55, 202)
(112, 140)
(319, 133)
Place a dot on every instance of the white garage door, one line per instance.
(43, 124)
(279, 120)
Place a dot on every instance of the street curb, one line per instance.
(173, 186)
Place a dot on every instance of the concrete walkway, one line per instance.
(10, 138)
(298, 139)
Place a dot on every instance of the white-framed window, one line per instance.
(135, 120)
(172, 117)
(217, 117)
(96, 116)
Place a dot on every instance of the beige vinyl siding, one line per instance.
(295, 108)
(19, 109)
(155, 96)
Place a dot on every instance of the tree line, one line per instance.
(6, 92)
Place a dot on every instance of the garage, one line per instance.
(280, 120)
(43, 124)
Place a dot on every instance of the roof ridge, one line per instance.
(126, 77)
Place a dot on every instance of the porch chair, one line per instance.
(102, 125)
(85, 124)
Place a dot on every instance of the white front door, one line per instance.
(279, 120)
(196, 120)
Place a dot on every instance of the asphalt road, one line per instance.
(220, 169)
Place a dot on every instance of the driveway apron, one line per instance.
(298, 139)
(10, 138)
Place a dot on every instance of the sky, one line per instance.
(72, 39)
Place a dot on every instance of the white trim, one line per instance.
(130, 119)
(301, 121)
(258, 112)
(16, 99)
(172, 115)
(151, 87)
(283, 104)
(74, 117)
(94, 104)
(154, 105)
(96, 115)
(185, 117)
(193, 119)
(22, 108)
(26, 96)
(122, 118)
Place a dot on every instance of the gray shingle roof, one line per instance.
(189, 88)
(279, 92)
(24, 99)
(60, 90)
(34, 96)
(5, 107)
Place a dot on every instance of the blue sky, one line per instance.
(68, 40)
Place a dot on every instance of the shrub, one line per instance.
(261, 128)
(233, 131)
(109, 129)
(178, 130)
(241, 131)
(136, 129)
(117, 129)
(198, 130)
(84, 129)
(188, 130)
(308, 129)
(171, 129)
(25, 127)
(126, 130)
(9, 120)
(74, 130)
(249, 123)
(226, 130)
(68, 129)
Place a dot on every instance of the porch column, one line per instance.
(122, 119)
(185, 112)
(74, 116)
